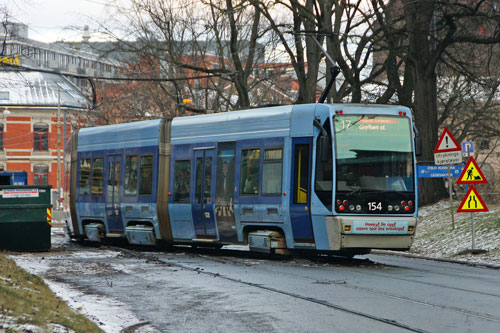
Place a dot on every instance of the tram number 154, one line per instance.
(374, 206)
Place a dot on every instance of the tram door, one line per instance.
(224, 192)
(113, 188)
(300, 205)
(203, 205)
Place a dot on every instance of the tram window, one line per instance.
(199, 180)
(97, 175)
(250, 165)
(146, 175)
(301, 174)
(84, 176)
(131, 167)
(324, 172)
(271, 171)
(207, 185)
(182, 176)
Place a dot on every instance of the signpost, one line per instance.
(448, 152)
(472, 201)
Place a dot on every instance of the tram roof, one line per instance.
(234, 125)
(280, 121)
(127, 135)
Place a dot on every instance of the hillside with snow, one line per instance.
(436, 238)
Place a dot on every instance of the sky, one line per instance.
(55, 20)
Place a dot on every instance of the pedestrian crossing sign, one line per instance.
(471, 174)
(472, 202)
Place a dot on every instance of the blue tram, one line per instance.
(327, 178)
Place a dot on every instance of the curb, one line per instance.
(453, 261)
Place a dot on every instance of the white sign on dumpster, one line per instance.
(20, 193)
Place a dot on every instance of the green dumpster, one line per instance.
(25, 218)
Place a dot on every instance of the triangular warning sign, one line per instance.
(472, 202)
(471, 174)
(447, 143)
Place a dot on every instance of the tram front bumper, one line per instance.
(381, 232)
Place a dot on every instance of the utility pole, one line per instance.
(58, 148)
(63, 164)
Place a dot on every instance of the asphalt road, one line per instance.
(205, 291)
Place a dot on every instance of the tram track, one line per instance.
(233, 257)
(226, 257)
(358, 262)
(154, 258)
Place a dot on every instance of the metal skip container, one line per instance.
(25, 218)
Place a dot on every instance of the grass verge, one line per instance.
(26, 299)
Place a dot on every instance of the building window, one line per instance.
(146, 175)
(484, 144)
(250, 165)
(40, 174)
(271, 171)
(41, 137)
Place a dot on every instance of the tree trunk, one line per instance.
(430, 189)
(419, 14)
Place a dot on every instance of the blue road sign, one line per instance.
(439, 171)
(467, 147)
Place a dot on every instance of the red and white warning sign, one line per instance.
(447, 143)
(447, 150)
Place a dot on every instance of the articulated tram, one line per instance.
(330, 178)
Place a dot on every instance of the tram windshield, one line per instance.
(373, 154)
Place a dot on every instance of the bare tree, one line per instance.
(184, 39)
(422, 39)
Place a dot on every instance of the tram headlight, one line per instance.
(358, 208)
(396, 208)
(351, 207)
(389, 208)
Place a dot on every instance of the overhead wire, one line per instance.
(116, 78)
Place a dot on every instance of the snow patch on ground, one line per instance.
(436, 237)
(109, 314)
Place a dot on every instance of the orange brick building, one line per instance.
(31, 137)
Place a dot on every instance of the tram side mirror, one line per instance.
(418, 146)
(324, 145)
